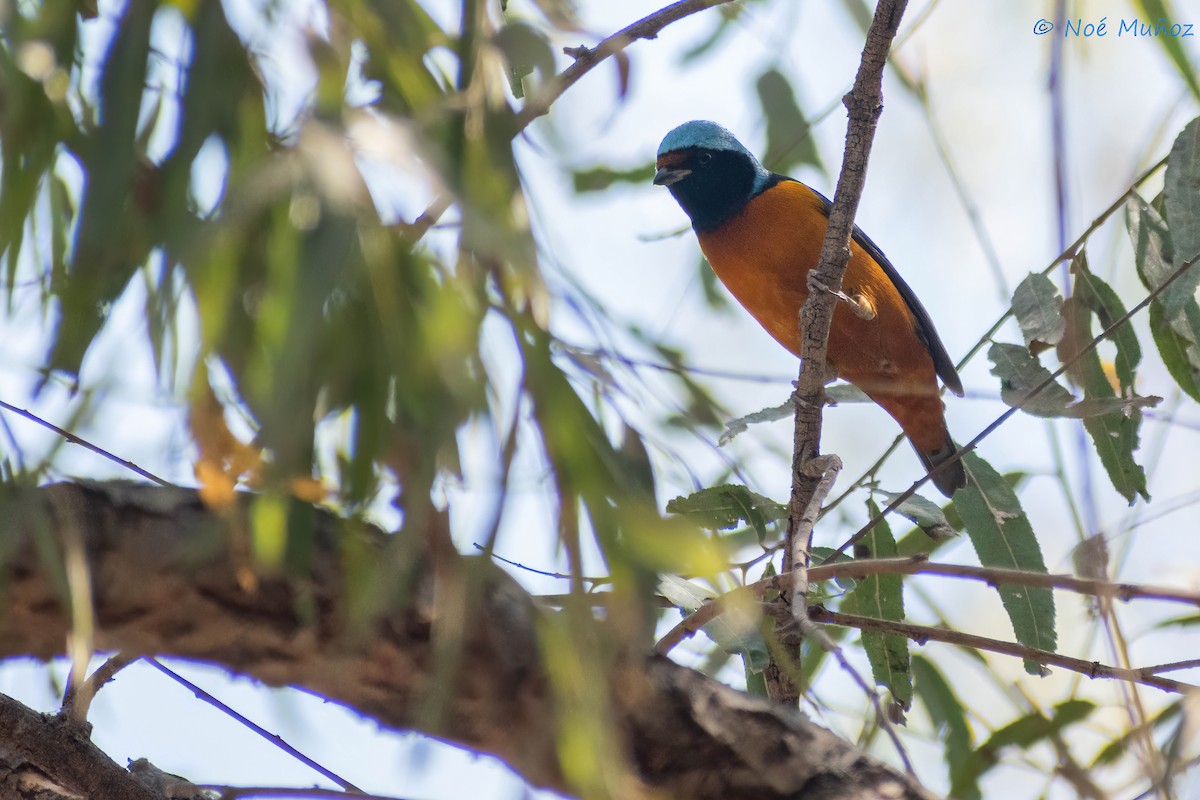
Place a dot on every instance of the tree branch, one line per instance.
(539, 102)
(864, 104)
(924, 633)
(170, 587)
(47, 757)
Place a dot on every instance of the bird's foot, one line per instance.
(860, 304)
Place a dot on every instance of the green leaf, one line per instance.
(1022, 733)
(882, 597)
(1108, 308)
(598, 179)
(1003, 537)
(789, 136)
(924, 513)
(1182, 190)
(1153, 251)
(1019, 373)
(1115, 435)
(108, 244)
(723, 507)
(1119, 746)
(1161, 9)
(821, 555)
(1180, 353)
(738, 426)
(1037, 306)
(734, 631)
(950, 722)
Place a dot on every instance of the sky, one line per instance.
(986, 72)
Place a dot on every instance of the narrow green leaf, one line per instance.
(1154, 10)
(1019, 373)
(527, 50)
(1108, 308)
(1153, 251)
(789, 136)
(1115, 436)
(924, 513)
(1119, 746)
(600, 178)
(1182, 190)
(1180, 353)
(1023, 733)
(950, 722)
(882, 597)
(1033, 728)
(723, 507)
(821, 555)
(1003, 537)
(735, 427)
(1037, 306)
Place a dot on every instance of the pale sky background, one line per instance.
(987, 78)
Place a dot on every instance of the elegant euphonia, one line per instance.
(762, 233)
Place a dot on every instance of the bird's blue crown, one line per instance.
(702, 133)
(711, 136)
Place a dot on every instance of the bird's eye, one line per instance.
(704, 158)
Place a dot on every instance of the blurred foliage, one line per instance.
(339, 354)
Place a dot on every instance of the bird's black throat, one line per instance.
(719, 186)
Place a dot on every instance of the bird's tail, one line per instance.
(948, 478)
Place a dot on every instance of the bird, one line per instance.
(761, 233)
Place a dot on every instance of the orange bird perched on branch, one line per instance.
(762, 233)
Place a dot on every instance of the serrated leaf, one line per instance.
(735, 630)
(1037, 306)
(1108, 308)
(1019, 373)
(924, 513)
(950, 722)
(789, 136)
(882, 597)
(1115, 436)
(1002, 537)
(1182, 190)
(724, 507)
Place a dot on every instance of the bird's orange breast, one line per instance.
(763, 255)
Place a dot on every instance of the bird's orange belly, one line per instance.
(763, 256)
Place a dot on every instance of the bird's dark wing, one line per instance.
(925, 330)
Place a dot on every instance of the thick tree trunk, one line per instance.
(166, 579)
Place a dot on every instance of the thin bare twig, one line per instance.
(273, 738)
(913, 565)
(239, 792)
(921, 634)
(77, 699)
(84, 443)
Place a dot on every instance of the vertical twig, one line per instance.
(864, 104)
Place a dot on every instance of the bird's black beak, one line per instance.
(667, 176)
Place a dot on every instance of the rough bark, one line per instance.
(166, 580)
